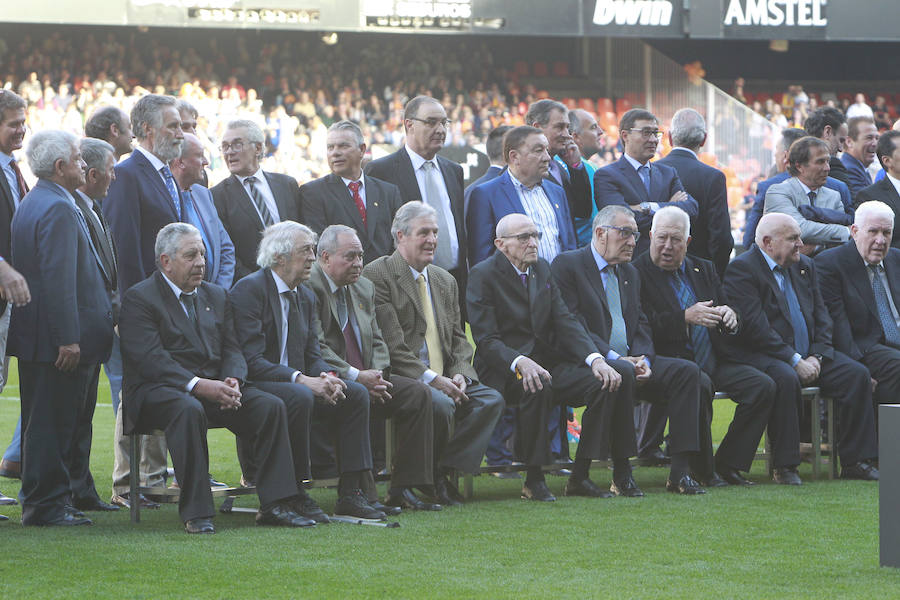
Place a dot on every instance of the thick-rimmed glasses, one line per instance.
(432, 122)
(525, 237)
(624, 232)
(648, 133)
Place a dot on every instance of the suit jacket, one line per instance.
(397, 168)
(220, 257)
(496, 199)
(848, 294)
(7, 210)
(105, 247)
(257, 324)
(137, 206)
(577, 186)
(711, 231)
(402, 320)
(857, 175)
(241, 220)
(162, 348)
(839, 171)
(492, 172)
(581, 286)
(69, 301)
(327, 201)
(671, 335)
(509, 320)
(373, 349)
(759, 204)
(787, 196)
(883, 191)
(618, 183)
(751, 288)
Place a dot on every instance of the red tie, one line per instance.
(23, 187)
(354, 187)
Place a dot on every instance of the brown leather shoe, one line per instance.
(11, 469)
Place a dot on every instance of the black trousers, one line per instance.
(79, 459)
(412, 415)
(883, 363)
(675, 385)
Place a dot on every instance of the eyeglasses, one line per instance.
(624, 232)
(647, 133)
(525, 237)
(236, 146)
(432, 122)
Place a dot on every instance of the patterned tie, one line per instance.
(294, 345)
(189, 302)
(351, 344)
(812, 198)
(173, 191)
(700, 342)
(23, 187)
(644, 172)
(432, 341)
(798, 323)
(260, 202)
(618, 340)
(888, 324)
(442, 257)
(189, 214)
(360, 206)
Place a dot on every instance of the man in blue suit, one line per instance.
(199, 211)
(633, 182)
(862, 140)
(521, 189)
(494, 149)
(62, 336)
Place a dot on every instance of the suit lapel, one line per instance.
(354, 303)
(406, 176)
(155, 181)
(373, 206)
(206, 320)
(281, 195)
(343, 199)
(405, 280)
(800, 281)
(658, 192)
(512, 196)
(593, 274)
(769, 278)
(633, 178)
(243, 201)
(177, 313)
(274, 306)
(7, 193)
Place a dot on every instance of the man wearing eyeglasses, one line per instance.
(251, 199)
(633, 182)
(603, 290)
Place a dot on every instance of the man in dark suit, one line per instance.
(423, 175)
(352, 343)
(527, 338)
(829, 125)
(602, 289)
(683, 300)
(62, 337)
(787, 334)
(862, 141)
(111, 124)
(711, 229)
(346, 197)
(494, 149)
(588, 137)
(418, 312)
(275, 323)
(633, 182)
(861, 287)
(184, 371)
(886, 189)
(251, 199)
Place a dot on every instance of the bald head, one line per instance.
(778, 235)
(586, 132)
(517, 239)
(511, 222)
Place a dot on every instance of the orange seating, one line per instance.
(560, 69)
(605, 105)
(539, 69)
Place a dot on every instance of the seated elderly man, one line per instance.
(275, 321)
(184, 371)
(531, 347)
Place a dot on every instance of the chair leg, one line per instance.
(134, 463)
(832, 442)
(468, 488)
(816, 435)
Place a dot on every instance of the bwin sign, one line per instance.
(633, 12)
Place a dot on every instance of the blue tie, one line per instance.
(173, 191)
(644, 172)
(798, 323)
(700, 342)
(618, 340)
(189, 212)
(888, 324)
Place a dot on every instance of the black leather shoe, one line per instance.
(686, 485)
(356, 506)
(712, 481)
(407, 500)
(537, 491)
(123, 501)
(733, 476)
(446, 493)
(71, 510)
(68, 520)
(787, 476)
(391, 511)
(585, 487)
(213, 483)
(95, 504)
(282, 516)
(861, 470)
(199, 526)
(626, 487)
(654, 458)
(305, 506)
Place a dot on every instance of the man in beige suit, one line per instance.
(417, 308)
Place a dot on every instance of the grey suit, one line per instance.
(787, 196)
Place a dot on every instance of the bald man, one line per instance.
(787, 335)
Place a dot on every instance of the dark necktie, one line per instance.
(189, 302)
(644, 172)
(812, 198)
(294, 345)
(259, 202)
(360, 206)
(173, 191)
(23, 187)
(618, 339)
(351, 344)
(113, 261)
(798, 323)
(885, 315)
(700, 342)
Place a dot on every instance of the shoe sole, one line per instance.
(355, 518)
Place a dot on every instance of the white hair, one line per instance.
(672, 214)
(408, 213)
(872, 208)
(278, 240)
(47, 147)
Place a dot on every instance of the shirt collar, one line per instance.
(280, 284)
(635, 163)
(418, 160)
(64, 191)
(175, 289)
(259, 176)
(519, 184)
(416, 274)
(331, 284)
(85, 197)
(362, 183)
(772, 264)
(154, 160)
(688, 150)
(601, 262)
(5, 159)
(893, 180)
(806, 188)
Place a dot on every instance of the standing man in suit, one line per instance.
(417, 311)
(346, 197)
(684, 303)
(711, 228)
(787, 334)
(62, 337)
(352, 343)
(633, 182)
(275, 322)
(494, 148)
(829, 125)
(861, 287)
(423, 175)
(251, 199)
(533, 349)
(523, 189)
(197, 208)
(603, 290)
(184, 371)
(189, 115)
(588, 137)
(862, 141)
(887, 189)
(111, 124)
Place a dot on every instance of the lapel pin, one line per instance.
(207, 308)
(375, 203)
(556, 205)
(803, 271)
(696, 270)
